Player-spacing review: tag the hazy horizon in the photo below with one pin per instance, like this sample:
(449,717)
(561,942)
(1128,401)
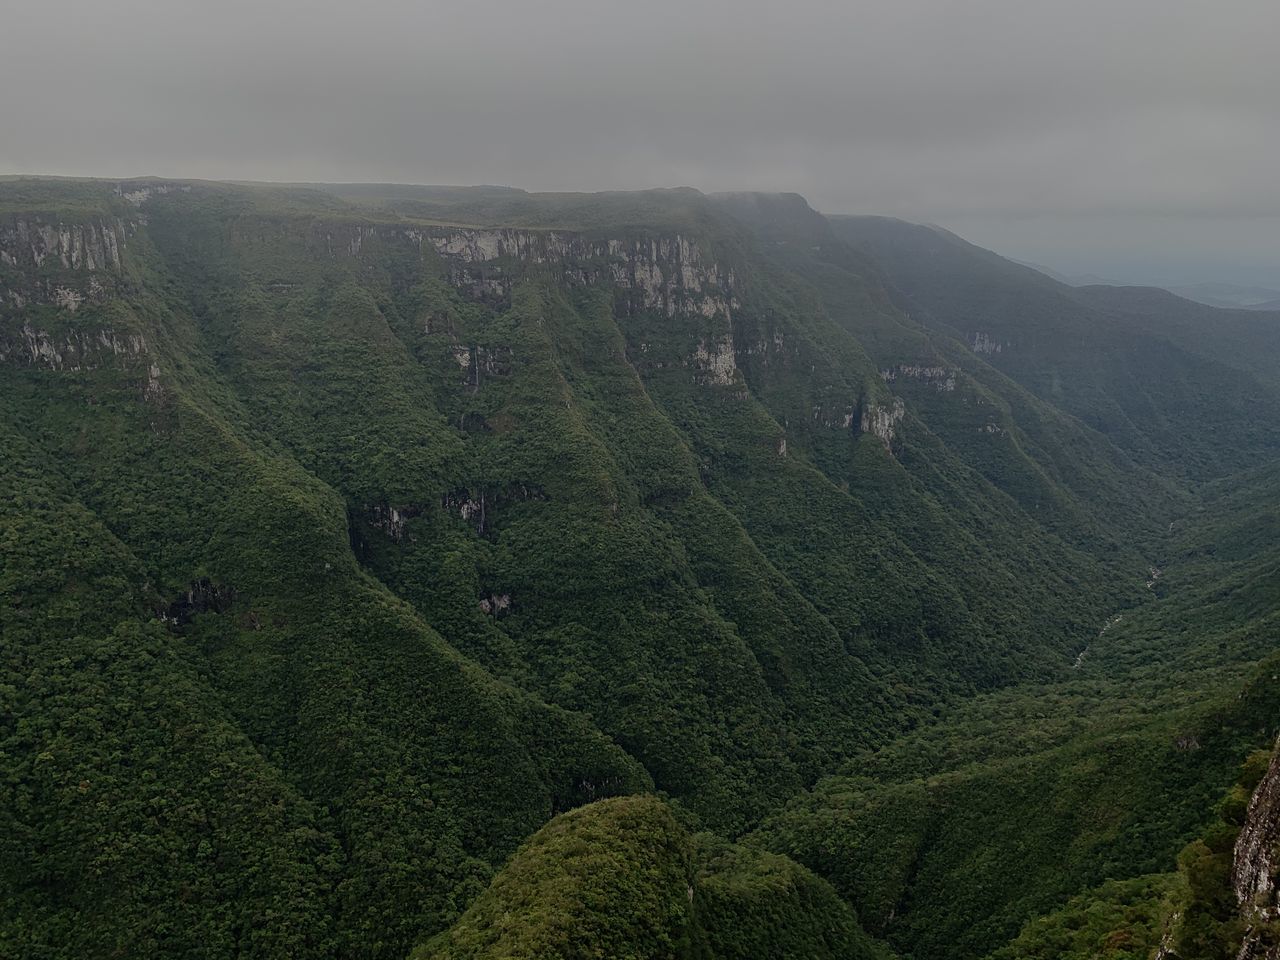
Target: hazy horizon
(1132,140)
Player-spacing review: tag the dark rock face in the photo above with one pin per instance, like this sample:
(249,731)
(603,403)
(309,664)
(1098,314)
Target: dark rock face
(393,521)
(202,596)
(1253,871)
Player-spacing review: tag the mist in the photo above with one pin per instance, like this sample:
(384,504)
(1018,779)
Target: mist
(1133,140)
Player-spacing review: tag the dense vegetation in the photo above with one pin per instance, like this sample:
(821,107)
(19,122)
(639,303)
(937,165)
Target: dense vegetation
(1189,390)
(498,574)
(1190,914)
(622,878)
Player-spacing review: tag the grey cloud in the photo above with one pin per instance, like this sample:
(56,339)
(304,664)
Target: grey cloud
(999,113)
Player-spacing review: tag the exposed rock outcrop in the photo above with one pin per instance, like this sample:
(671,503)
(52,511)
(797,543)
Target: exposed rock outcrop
(393,521)
(30,242)
(714,358)
(985,343)
(48,262)
(774,344)
(74,351)
(140,192)
(470,509)
(481,363)
(474,507)
(496,604)
(1254,867)
(670,272)
(202,596)
(833,416)
(881,419)
(940,378)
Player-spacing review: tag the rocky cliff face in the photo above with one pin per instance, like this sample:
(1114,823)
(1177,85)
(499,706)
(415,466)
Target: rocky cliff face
(92,245)
(58,263)
(69,266)
(73,351)
(985,343)
(1254,867)
(671,273)
(668,273)
(941,378)
(679,276)
(881,419)
(54,274)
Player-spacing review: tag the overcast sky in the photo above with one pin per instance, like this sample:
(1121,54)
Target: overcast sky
(1134,138)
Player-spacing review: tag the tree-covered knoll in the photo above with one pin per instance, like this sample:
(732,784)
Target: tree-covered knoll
(623,878)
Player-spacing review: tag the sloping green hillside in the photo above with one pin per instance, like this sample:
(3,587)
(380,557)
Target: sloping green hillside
(621,878)
(1168,381)
(352,535)
(947,840)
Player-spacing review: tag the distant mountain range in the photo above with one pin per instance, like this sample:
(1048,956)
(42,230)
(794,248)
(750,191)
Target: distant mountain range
(1071,279)
(1229,296)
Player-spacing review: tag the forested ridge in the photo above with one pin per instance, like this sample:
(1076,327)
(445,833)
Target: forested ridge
(446,572)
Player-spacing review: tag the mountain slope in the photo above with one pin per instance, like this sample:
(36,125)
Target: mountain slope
(622,878)
(304,671)
(1165,389)
(355,534)
(1024,798)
